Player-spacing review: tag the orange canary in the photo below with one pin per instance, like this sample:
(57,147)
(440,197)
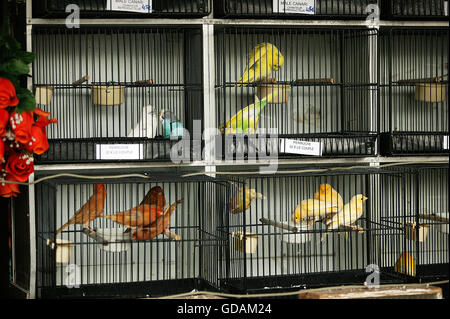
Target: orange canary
(405,265)
(155,196)
(90,210)
(328,194)
(158,227)
(139,216)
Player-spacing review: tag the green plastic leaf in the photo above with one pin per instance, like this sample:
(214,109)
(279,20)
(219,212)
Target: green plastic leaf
(27,101)
(15,67)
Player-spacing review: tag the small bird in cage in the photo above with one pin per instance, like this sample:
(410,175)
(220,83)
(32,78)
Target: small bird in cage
(171,126)
(155,196)
(147,126)
(348,215)
(246,120)
(138,216)
(236,204)
(160,226)
(331,197)
(264,59)
(92,209)
(405,265)
(313,208)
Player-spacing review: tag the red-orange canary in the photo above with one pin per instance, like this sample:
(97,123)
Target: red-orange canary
(90,210)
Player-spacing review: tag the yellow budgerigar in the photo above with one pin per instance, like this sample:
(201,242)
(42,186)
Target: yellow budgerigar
(264,59)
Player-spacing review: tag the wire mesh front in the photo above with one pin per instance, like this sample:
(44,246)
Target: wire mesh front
(414,86)
(125,241)
(415,9)
(420,253)
(293,9)
(308,230)
(133,86)
(298,84)
(112,9)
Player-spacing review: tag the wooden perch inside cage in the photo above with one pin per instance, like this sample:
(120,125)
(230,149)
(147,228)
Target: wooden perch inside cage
(144,82)
(95,236)
(315,81)
(81,81)
(353,227)
(425,80)
(434,218)
(279,225)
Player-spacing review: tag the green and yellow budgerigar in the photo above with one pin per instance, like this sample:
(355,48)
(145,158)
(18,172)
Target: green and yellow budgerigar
(246,120)
(264,59)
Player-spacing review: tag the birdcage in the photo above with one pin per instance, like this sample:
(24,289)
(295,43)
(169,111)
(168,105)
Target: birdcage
(119,93)
(414,9)
(421,252)
(414,89)
(307,92)
(121,9)
(292,231)
(133,237)
(355,9)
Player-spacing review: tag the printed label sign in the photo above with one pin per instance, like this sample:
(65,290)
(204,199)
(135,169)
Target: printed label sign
(294,6)
(141,6)
(445,146)
(301,147)
(119,151)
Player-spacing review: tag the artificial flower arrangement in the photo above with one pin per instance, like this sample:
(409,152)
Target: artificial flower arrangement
(22,124)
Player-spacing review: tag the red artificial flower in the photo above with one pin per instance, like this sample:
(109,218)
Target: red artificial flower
(38,143)
(9,189)
(4,117)
(20,166)
(2,151)
(21,125)
(7,94)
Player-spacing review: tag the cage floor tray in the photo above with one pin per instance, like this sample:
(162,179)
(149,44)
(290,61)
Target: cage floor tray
(412,143)
(332,146)
(86,150)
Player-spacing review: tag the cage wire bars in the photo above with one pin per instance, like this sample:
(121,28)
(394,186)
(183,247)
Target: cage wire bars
(329,9)
(288,235)
(414,85)
(130,244)
(304,84)
(139,86)
(107,9)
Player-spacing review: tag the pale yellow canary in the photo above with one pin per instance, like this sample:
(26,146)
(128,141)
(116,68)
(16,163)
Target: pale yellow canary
(236,204)
(348,215)
(312,208)
(264,59)
(405,265)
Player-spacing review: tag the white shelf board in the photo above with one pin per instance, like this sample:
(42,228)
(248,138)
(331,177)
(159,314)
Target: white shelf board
(238,22)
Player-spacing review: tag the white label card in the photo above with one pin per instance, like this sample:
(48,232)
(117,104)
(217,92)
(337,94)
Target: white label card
(445,146)
(141,6)
(119,152)
(294,6)
(301,147)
